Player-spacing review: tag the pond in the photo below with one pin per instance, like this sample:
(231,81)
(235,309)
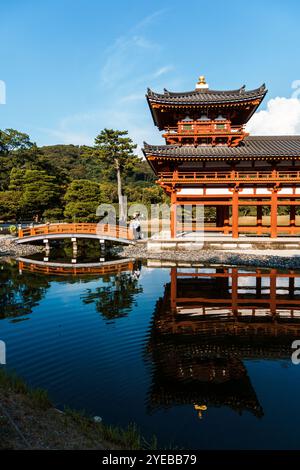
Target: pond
(199,356)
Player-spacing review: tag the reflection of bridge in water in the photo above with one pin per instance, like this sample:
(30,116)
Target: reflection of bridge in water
(46,267)
(209,322)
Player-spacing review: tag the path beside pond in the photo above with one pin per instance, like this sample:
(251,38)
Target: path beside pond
(282,259)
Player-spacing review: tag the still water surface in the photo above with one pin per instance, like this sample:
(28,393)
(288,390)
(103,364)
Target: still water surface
(200,357)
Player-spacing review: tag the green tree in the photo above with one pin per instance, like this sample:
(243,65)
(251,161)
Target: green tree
(113,149)
(35,190)
(9,205)
(82,198)
(16,149)
(10,140)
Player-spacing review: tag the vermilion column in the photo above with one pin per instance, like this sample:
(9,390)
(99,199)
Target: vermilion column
(220,216)
(235,213)
(292,219)
(173,289)
(273,277)
(234,291)
(274,207)
(173,215)
(259,219)
(226,219)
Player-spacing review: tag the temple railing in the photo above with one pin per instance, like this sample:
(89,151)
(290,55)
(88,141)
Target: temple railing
(248,229)
(200,132)
(230,176)
(204,127)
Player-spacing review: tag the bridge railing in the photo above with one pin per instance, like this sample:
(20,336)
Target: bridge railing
(114,231)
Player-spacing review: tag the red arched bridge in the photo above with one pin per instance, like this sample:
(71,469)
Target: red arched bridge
(114,233)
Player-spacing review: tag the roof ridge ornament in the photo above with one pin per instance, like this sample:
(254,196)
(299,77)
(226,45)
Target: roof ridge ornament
(201,84)
(262,87)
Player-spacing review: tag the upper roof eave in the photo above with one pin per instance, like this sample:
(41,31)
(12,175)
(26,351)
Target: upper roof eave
(206,96)
(250,147)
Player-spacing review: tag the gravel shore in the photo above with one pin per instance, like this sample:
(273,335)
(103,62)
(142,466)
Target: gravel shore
(281,259)
(8,247)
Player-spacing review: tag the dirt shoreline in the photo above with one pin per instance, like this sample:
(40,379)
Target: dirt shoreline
(28,420)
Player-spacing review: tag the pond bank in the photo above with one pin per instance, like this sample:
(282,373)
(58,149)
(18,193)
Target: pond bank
(281,259)
(8,247)
(269,258)
(28,420)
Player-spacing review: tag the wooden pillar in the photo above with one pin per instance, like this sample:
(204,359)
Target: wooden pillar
(234,291)
(173,216)
(258,284)
(273,278)
(292,219)
(226,220)
(173,289)
(273,229)
(259,219)
(235,213)
(291,285)
(220,216)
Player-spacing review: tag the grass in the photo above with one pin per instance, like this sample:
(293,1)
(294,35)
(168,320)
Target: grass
(128,438)
(77,428)
(38,397)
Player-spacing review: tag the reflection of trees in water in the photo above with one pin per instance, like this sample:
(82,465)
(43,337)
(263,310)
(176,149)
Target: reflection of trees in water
(87,250)
(19,293)
(116,299)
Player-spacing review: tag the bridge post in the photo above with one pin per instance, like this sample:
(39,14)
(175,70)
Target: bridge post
(47,246)
(74,242)
(102,245)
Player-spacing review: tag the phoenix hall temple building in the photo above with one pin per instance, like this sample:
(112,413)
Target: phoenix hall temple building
(209,159)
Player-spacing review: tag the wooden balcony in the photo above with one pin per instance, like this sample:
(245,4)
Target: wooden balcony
(213,132)
(191,177)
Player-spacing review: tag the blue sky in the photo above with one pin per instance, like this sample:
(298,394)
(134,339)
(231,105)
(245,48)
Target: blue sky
(72,68)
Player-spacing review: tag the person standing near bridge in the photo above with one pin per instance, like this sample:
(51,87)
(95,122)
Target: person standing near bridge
(135,226)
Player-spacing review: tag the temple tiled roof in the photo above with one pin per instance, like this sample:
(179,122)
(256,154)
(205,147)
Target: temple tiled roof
(250,147)
(206,96)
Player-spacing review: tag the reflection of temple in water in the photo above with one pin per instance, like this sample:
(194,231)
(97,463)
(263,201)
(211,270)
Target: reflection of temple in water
(211,320)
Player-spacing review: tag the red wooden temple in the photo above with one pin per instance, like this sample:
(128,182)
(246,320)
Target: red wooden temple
(209,159)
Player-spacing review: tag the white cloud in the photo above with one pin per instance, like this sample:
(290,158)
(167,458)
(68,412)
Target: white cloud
(282,117)
(67,137)
(163,70)
(133,97)
(123,58)
(131,64)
